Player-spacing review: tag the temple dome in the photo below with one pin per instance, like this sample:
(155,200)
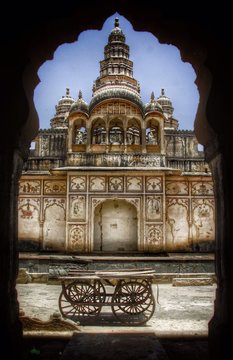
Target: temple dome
(166,104)
(153,105)
(116,33)
(62,110)
(116,92)
(79,105)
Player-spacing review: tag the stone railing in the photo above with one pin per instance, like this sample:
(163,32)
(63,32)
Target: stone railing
(189,165)
(42,164)
(116,160)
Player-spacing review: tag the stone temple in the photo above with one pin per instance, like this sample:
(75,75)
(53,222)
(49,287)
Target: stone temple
(116,175)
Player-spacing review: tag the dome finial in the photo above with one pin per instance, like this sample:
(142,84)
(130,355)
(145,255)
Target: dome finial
(116,24)
(80,95)
(162,92)
(152,97)
(67,91)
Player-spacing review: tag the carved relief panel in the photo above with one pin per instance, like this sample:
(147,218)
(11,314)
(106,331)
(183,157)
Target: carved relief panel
(116,183)
(203,219)
(170,146)
(54,227)
(30,187)
(76,237)
(154,236)
(177,188)
(77,208)
(78,183)
(29,219)
(44,146)
(154,184)
(177,223)
(153,208)
(202,188)
(179,146)
(55,187)
(134,183)
(97,183)
(198,166)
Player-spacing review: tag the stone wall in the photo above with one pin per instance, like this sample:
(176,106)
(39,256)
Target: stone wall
(146,211)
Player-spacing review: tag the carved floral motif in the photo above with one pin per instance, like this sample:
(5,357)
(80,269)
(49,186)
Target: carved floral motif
(134,183)
(77,237)
(177,188)
(54,201)
(55,187)
(203,218)
(97,183)
(116,183)
(29,187)
(29,208)
(135,202)
(154,236)
(177,221)
(153,184)
(153,208)
(78,207)
(202,188)
(77,183)
(97,201)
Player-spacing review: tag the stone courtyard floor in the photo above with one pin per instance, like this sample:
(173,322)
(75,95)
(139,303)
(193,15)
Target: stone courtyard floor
(180,322)
(180,311)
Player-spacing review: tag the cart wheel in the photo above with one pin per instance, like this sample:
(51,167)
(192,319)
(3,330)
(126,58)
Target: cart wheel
(134,302)
(81,300)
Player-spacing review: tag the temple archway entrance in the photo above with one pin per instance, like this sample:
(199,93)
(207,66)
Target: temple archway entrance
(115,226)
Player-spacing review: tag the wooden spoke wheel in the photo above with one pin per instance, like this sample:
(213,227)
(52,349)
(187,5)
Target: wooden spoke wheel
(81,300)
(134,302)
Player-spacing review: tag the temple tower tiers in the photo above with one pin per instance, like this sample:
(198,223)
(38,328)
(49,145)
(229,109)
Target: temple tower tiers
(116,71)
(116,175)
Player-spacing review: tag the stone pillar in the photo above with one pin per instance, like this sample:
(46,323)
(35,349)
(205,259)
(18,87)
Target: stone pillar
(143,139)
(89,139)
(221,325)
(11,164)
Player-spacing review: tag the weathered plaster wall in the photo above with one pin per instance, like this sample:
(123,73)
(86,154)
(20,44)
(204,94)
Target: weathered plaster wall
(148,211)
(115,226)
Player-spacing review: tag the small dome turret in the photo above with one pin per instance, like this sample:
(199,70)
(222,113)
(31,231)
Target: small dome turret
(116,33)
(62,111)
(166,104)
(153,105)
(79,105)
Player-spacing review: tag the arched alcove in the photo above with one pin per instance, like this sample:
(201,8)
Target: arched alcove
(115,226)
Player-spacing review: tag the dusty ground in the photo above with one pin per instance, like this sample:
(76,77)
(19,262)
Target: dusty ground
(180,311)
(180,321)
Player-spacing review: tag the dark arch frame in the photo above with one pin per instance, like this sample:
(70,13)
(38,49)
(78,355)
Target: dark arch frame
(195,33)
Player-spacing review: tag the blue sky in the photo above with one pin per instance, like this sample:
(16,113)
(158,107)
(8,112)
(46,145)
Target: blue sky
(156,66)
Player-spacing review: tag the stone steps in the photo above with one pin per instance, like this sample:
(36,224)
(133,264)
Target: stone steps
(182,279)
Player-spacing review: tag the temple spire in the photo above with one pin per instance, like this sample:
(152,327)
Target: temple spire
(116,24)
(80,95)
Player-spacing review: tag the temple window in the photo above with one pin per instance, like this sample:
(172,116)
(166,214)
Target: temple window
(116,135)
(99,134)
(133,136)
(152,135)
(80,135)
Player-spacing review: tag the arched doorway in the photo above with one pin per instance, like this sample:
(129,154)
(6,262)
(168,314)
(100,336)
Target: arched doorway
(115,226)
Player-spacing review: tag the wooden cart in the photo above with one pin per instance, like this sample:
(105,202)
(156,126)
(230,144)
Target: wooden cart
(131,299)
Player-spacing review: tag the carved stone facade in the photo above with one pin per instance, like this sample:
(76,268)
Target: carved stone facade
(116,175)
